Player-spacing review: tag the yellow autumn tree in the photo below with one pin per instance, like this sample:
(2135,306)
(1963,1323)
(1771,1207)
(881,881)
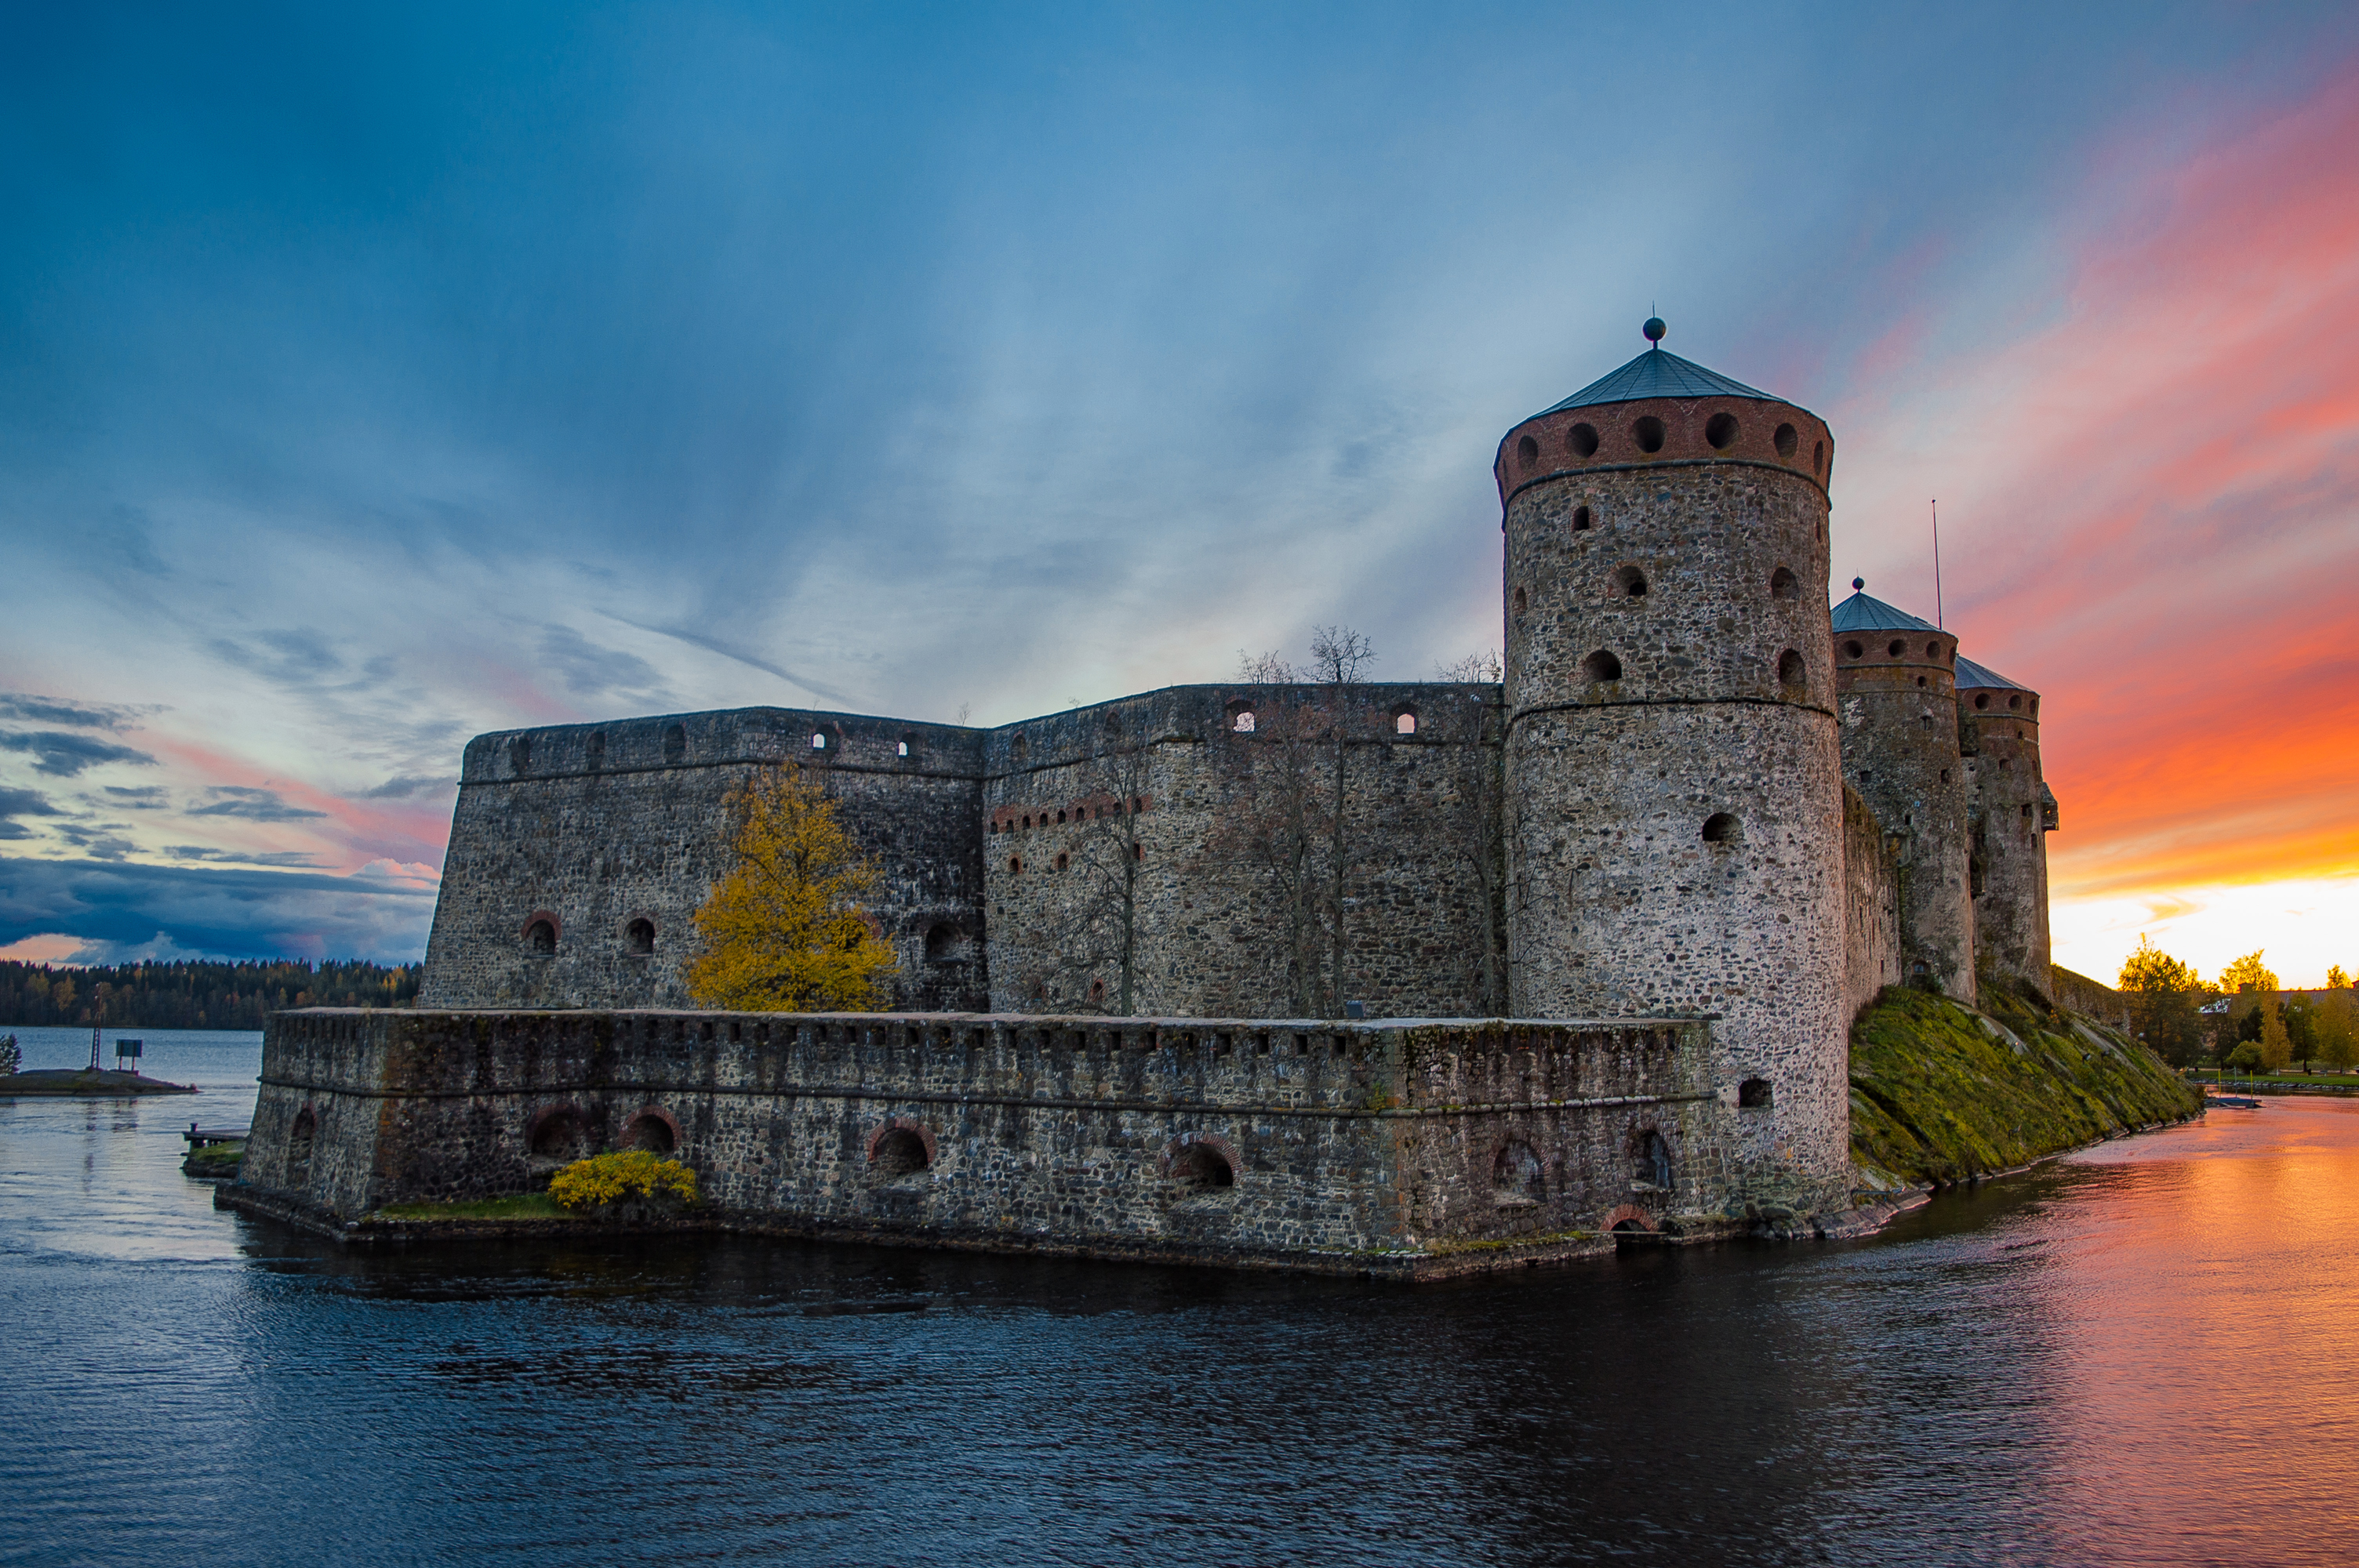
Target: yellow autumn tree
(2276,1045)
(2248,974)
(781,933)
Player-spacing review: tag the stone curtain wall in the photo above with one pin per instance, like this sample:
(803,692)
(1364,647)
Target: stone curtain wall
(592,828)
(1410,1146)
(1214,930)
(1871,900)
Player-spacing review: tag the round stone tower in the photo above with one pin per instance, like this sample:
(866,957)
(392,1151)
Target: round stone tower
(2012,812)
(1896,690)
(1675,810)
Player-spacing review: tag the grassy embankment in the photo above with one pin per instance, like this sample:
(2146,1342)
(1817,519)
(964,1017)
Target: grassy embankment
(520,1205)
(1940,1093)
(215,1162)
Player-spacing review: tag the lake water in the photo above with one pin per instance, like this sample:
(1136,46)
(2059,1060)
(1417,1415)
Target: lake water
(2141,1353)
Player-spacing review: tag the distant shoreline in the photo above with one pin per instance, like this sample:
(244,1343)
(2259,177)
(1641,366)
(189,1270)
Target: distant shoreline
(80,1083)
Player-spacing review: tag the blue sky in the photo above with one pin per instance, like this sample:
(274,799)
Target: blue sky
(370,379)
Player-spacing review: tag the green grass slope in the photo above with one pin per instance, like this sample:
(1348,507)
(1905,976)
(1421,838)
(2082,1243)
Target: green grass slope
(1940,1092)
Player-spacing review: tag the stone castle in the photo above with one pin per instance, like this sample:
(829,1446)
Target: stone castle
(1156,954)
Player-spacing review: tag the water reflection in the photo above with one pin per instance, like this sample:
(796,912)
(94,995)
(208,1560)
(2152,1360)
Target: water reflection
(2129,1356)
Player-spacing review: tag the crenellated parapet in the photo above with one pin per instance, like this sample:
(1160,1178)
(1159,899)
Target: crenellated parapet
(1399,1146)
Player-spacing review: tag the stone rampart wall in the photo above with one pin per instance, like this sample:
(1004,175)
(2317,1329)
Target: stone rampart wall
(594,828)
(999,857)
(1416,1141)
(1871,912)
(1159,816)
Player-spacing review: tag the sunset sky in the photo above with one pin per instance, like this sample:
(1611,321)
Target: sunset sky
(367,382)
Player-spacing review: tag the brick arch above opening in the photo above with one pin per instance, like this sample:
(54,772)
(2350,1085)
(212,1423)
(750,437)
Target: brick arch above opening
(649,1113)
(900,1124)
(1177,1151)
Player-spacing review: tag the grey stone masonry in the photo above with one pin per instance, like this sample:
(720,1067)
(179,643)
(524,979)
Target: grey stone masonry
(1160,813)
(1399,1146)
(1896,692)
(1675,839)
(2012,813)
(589,831)
(1871,905)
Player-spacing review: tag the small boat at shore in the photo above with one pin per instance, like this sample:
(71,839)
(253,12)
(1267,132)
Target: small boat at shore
(2231,1102)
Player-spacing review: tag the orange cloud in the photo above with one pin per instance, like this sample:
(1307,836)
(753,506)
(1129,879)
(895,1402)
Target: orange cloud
(2150,511)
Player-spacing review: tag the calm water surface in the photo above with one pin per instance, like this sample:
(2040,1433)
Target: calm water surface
(2140,1354)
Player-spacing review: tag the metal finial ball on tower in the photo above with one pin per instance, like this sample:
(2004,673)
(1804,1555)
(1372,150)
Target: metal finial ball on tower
(1654,328)
(1858,583)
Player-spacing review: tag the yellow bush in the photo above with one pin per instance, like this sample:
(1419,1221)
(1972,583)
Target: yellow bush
(610,1178)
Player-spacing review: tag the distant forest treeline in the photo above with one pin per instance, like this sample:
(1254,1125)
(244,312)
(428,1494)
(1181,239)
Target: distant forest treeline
(193,995)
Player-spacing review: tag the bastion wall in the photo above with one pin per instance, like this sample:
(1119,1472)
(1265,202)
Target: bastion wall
(1198,821)
(1408,1147)
(1013,862)
(593,829)
(1871,906)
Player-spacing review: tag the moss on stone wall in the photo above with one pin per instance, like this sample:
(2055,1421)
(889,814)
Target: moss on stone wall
(1940,1092)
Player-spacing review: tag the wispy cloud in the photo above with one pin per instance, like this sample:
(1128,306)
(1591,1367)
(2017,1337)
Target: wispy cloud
(63,755)
(405,787)
(80,715)
(589,670)
(289,859)
(737,653)
(252,804)
(15,803)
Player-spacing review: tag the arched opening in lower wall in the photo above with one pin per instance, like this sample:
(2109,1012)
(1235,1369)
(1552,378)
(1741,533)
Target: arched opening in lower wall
(558,1133)
(653,1132)
(1199,1165)
(898,1152)
(300,1140)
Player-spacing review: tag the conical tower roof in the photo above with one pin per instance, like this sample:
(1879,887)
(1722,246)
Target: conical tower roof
(1656,374)
(1970,674)
(1861,614)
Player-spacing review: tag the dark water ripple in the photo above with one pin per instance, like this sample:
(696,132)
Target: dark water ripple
(2134,1356)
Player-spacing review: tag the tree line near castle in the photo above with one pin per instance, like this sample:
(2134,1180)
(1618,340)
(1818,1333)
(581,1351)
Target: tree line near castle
(2244,1021)
(187,994)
